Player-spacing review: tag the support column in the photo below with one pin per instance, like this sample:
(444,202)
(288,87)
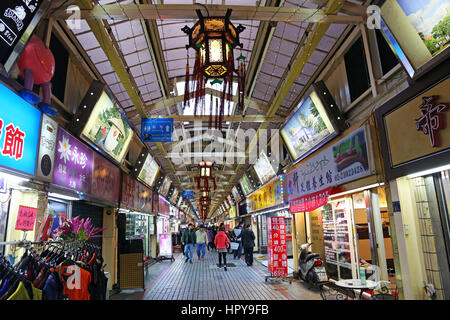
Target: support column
(109,244)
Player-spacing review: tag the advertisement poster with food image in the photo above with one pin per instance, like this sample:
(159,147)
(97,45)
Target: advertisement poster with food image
(165,187)
(107,129)
(421,28)
(308,127)
(149,171)
(344,161)
(264,169)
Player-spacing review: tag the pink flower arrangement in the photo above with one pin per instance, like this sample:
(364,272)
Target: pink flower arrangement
(77,229)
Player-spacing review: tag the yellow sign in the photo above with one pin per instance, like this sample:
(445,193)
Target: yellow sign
(233,212)
(267,196)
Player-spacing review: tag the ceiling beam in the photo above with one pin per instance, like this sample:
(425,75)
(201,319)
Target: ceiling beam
(234,118)
(110,51)
(184,12)
(168,102)
(194,173)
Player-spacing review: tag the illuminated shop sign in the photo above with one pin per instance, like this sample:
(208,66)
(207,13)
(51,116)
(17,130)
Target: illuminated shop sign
(19,132)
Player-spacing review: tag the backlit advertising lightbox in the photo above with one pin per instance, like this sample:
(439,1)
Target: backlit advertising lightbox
(165,187)
(308,128)
(246,185)
(20,124)
(149,171)
(418,32)
(264,169)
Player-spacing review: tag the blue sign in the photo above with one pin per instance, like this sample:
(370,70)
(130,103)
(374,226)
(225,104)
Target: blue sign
(188,195)
(20,124)
(156,130)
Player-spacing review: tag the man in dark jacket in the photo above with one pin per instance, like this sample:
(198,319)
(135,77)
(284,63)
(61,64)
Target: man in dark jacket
(248,242)
(188,239)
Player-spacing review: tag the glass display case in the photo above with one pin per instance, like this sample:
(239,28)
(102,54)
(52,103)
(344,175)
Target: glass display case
(137,227)
(339,249)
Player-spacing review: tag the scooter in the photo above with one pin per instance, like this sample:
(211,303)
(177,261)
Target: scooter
(310,266)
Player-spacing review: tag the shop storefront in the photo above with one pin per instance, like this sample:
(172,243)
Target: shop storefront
(20,125)
(415,146)
(341,208)
(268,201)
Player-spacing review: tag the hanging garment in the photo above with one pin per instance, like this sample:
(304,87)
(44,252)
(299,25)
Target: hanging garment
(26,291)
(75,279)
(53,288)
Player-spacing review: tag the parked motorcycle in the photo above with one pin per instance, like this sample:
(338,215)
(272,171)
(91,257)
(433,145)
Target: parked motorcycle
(310,266)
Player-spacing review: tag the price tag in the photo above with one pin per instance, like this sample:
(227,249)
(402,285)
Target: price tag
(26,218)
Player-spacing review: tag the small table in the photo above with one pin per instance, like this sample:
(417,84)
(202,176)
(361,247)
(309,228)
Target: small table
(356,284)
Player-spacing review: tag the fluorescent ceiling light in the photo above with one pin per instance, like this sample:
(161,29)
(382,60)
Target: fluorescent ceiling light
(430,171)
(62,196)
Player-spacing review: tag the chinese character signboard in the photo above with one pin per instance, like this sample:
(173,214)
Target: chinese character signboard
(156,130)
(19,132)
(270,195)
(128,191)
(342,162)
(47,148)
(188,195)
(277,247)
(105,179)
(310,202)
(18,18)
(73,163)
(26,218)
(432,119)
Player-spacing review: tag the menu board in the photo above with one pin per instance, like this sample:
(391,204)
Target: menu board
(107,129)
(308,128)
(277,247)
(149,171)
(246,185)
(264,169)
(18,18)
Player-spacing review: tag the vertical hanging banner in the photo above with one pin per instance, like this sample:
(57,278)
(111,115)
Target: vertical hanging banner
(276,246)
(73,163)
(128,191)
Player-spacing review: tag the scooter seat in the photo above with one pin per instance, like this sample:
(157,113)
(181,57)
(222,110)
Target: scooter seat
(312,256)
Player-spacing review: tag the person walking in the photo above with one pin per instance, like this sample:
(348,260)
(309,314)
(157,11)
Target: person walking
(201,238)
(210,236)
(237,236)
(221,242)
(248,242)
(188,239)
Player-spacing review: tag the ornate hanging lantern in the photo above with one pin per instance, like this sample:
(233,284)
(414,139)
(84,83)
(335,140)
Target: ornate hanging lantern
(214,39)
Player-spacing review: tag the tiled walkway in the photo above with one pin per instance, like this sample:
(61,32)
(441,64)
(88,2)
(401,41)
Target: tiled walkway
(203,280)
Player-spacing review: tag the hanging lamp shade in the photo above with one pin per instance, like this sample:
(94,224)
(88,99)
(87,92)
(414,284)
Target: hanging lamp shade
(213,38)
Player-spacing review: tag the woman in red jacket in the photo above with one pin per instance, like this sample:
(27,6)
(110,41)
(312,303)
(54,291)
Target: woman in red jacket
(221,242)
